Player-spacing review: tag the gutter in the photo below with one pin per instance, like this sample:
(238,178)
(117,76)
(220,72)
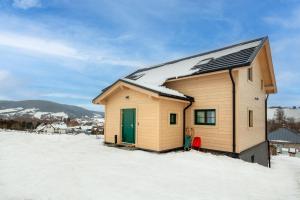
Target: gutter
(234,154)
(191,99)
(266,129)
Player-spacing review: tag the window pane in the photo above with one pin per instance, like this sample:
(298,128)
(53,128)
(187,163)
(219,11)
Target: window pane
(200,117)
(211,117)
(200,114)
(250,74)
(250,118)
(211,120)
(172,118)
(201,120)
(211,114)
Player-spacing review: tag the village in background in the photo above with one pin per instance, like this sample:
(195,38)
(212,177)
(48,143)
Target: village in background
(49,117)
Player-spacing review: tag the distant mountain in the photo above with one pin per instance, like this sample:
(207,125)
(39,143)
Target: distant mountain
(44,109)
(289,112)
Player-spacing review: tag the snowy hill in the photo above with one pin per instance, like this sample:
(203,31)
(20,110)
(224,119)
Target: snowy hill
(289,113)
(40,109)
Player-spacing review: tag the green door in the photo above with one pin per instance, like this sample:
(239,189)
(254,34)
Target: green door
(128,126)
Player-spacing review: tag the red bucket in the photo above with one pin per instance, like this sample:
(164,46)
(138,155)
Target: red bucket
(196,143)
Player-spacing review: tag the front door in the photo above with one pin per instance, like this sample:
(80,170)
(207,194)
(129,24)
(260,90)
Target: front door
(128,126)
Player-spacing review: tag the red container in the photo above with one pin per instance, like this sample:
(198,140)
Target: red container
(196,143)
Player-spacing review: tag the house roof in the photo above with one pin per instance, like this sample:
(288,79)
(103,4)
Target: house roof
(160,90)
(284,135)
(153,78)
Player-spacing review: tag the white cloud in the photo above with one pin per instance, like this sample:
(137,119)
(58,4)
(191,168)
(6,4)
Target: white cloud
(67,95)
(292,21)
(59,48)
(26,4)
(7,82)
(40,45)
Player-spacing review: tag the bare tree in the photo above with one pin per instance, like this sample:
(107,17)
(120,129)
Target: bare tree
(280,116)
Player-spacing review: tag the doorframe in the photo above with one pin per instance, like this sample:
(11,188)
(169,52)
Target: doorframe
(136,124)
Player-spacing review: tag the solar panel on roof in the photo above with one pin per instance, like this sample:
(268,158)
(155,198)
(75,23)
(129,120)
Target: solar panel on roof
(230,60)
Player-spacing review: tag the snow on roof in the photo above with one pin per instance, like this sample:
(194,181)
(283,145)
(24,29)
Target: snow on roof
(60,125)
(40,127)
(161,89)
(154,77)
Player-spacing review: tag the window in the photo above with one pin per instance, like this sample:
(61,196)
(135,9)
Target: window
(252,158)
(250,113)
(205,117)
(261,84)
(250,74)
(202,62)
(173,119)
(135,76)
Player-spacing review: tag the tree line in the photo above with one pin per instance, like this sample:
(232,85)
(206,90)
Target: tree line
(29,124)
(281,121)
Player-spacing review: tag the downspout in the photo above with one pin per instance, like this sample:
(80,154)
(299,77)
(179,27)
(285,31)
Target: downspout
(184,110)
(233,115)
(266,129)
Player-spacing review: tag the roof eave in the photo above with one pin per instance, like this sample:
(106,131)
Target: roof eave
(271,66)
(186,98)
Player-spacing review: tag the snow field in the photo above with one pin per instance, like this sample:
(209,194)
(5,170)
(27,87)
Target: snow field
(80,167)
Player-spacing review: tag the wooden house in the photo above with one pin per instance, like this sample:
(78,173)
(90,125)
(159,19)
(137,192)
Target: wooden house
(221,94)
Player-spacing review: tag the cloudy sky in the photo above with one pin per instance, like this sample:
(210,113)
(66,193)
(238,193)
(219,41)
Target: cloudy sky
(68,50)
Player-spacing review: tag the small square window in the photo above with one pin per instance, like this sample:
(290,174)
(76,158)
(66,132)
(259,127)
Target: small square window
(250,113)
(173,118)
(250,74)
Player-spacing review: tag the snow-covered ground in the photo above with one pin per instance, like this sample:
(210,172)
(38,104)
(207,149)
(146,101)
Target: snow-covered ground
(57,167)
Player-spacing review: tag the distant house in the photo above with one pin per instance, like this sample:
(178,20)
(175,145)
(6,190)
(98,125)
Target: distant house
(60,128)
(220,94)
(286,141)
(45,128)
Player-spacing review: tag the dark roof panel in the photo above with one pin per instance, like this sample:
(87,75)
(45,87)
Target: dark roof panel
(231,60)
(284,134)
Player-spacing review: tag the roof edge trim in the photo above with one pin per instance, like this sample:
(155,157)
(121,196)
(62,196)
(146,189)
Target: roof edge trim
(186,98)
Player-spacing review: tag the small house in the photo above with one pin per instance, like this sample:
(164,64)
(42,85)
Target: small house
(221,94)
(287,141)
(45,128)
(60,128)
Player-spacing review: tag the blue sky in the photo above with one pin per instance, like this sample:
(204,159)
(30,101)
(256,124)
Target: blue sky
(68,50)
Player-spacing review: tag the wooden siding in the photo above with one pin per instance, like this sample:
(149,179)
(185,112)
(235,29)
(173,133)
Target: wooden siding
(147,115)
(250,97)
(210,92)
(170,136)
